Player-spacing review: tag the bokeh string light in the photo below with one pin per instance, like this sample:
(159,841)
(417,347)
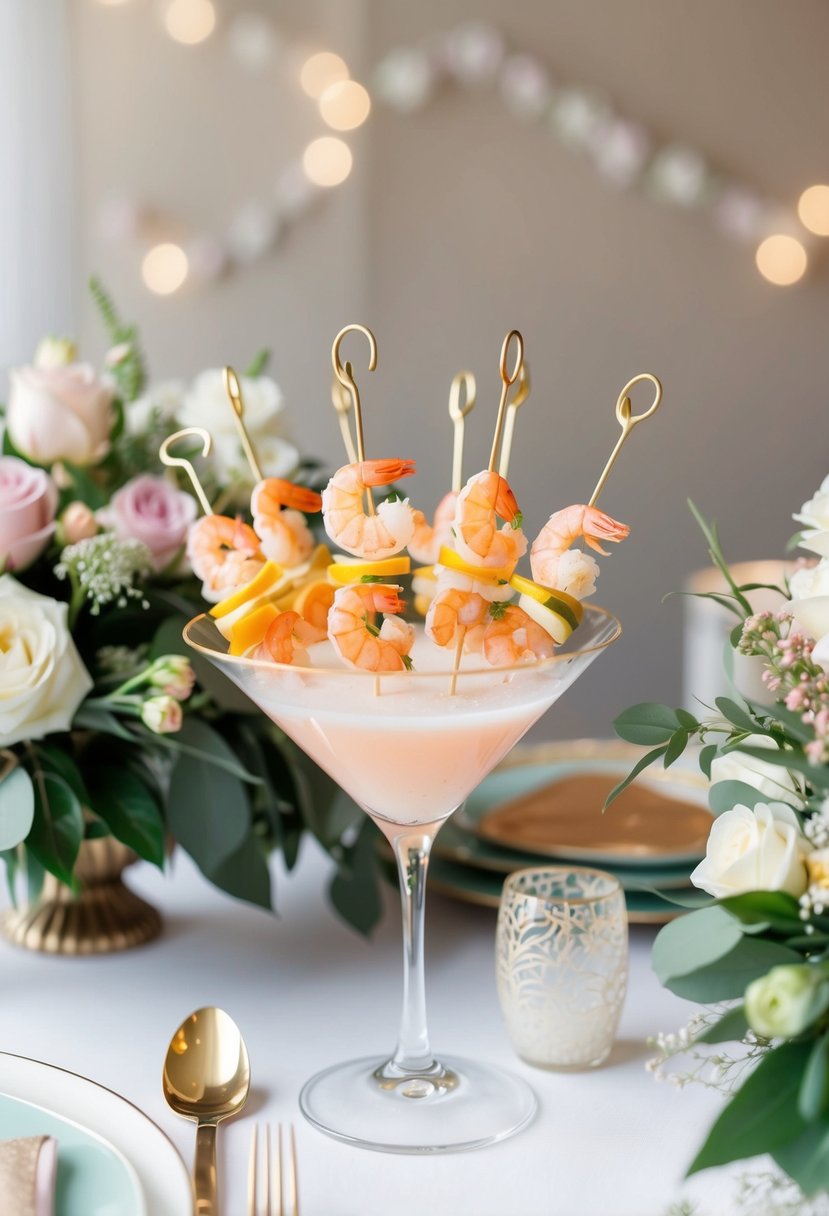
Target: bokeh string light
(164,268)
(624,154)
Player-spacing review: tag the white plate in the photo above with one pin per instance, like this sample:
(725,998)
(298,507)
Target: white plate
(161,1171)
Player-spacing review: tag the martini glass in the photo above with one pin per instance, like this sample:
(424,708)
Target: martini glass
(409,751)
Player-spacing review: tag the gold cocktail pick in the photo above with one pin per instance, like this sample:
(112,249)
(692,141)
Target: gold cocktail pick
(180,462)
(345,375)
(507,380)
(627,421)
(524,387)
(462,397)
(341,400)
(234,395)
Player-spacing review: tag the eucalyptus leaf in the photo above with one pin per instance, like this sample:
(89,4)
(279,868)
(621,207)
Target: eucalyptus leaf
(735,714)
(92,717)
(732,1027)
(706,758)
(725,795)
(57,828)
(355,890)
(17,808)
(805,1158)
(245,875)
(709,531)
(11,861)
(130,811)
(777,909)
(727,978)
(208,811)
(694,941)
(676,746)
(64,766)
(200,742)
(817,775)
(763,1114)
(647,723)
(640,765)
(813,1098)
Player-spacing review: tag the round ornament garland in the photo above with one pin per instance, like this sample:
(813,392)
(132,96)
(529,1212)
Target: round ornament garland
(624,153)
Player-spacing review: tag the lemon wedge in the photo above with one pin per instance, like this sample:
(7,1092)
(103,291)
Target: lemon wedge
(264,583)
(251,629)
(486,574)
(346,570)
(555,611)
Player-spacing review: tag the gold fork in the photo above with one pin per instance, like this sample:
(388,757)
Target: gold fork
(285,1174)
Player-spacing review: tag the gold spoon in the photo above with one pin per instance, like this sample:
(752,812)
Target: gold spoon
(206,1078)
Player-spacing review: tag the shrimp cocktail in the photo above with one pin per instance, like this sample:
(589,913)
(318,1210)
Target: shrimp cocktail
(407,705)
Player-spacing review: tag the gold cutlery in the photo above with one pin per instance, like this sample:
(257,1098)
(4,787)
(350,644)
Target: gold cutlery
(206,1078)
(285,1189)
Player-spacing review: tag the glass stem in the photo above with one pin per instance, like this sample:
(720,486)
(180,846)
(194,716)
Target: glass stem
(413,1053)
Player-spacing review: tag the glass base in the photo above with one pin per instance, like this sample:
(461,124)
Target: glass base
(452,1107)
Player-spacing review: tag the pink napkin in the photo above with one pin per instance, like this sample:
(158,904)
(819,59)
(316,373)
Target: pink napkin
(27,1176)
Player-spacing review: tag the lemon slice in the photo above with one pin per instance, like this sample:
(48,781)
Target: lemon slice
(486,574)
(264,583)
(251,630)
(555,611)
(346,570)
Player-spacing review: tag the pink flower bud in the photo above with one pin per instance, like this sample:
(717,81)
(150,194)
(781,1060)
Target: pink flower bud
(162,715)
(78,522)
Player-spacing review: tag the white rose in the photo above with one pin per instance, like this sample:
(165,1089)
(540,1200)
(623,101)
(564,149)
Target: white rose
(814,515)
(759,850)
(206,404)
(810,606)
(42,678)
(770,779)
(162,403)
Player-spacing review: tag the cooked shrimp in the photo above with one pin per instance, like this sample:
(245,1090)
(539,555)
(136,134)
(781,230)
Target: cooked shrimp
(514,637)
(224,553)
(343,509)
(478,540)
(357,639)
(453,609)
(277,507)
(281,642)
(427,538)
(552,562)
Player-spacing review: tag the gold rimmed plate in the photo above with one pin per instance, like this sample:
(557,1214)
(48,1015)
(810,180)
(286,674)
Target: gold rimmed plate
(547,801)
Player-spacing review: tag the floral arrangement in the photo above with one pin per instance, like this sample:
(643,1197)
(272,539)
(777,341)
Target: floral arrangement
(106,726)
(759,949)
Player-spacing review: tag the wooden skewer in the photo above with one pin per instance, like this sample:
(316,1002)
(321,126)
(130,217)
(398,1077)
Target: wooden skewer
(627,421)
(462,383)
(507,380)
(341,400)
(524,386)
(234,395)
(180,462)
(345,375)
(456,664)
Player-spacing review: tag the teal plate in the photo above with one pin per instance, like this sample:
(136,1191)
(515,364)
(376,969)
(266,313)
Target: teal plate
(484,887)
(93,1179)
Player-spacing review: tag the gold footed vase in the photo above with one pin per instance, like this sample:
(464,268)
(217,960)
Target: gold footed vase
(105,916)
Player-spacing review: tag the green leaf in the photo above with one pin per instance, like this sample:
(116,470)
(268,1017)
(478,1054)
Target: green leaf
(815,775)
(733,713)
(57,828)
(791,721)
(130,811)
(202,743)
(813,1097)
(64,766)
(85,488)
(725,795)
(684,946)
(687,720)
(208,811)
(727,977)
(647,723)
(731,1028)
(777,909)
(90,717)
(257,364)
(706,758)
(11,860)
(17,808)
(762,1115)
(709,531)
(245,875)
(355,891)
(639,766)
(805,1158)
(677,745)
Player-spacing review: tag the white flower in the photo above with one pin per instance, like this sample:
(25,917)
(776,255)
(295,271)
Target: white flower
(160,406)
(788,1000)
(814,515)
(55,352)
(206,404)
(759,850)
(770,779)
(810,606)
(42,678)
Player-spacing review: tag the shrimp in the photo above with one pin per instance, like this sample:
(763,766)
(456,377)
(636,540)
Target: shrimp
(357,640)
(453,609)
(478,540)
(553,562)
(224,553)
(282,642)
(371,536)
(514,637)
(427,538)
(277,507)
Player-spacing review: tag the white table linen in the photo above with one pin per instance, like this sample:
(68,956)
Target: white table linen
(306,992)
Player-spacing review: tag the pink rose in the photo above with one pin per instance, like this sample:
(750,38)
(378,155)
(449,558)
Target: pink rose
(59,413)
(28,499)
(149,509)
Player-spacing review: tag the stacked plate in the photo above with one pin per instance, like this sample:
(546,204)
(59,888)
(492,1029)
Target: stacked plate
(544,806)
(111,1157)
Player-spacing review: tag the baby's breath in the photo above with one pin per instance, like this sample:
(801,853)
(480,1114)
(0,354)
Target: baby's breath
(121,660)
(105,570)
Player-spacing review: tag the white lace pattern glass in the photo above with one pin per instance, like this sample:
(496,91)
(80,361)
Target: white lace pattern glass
(562,962)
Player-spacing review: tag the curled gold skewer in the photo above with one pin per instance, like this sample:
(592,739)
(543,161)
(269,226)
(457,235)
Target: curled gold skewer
(234,394)
(627,421)
(345,375)
(507,380)
(524,389)
(462,398)
(341,400)
(181,462)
